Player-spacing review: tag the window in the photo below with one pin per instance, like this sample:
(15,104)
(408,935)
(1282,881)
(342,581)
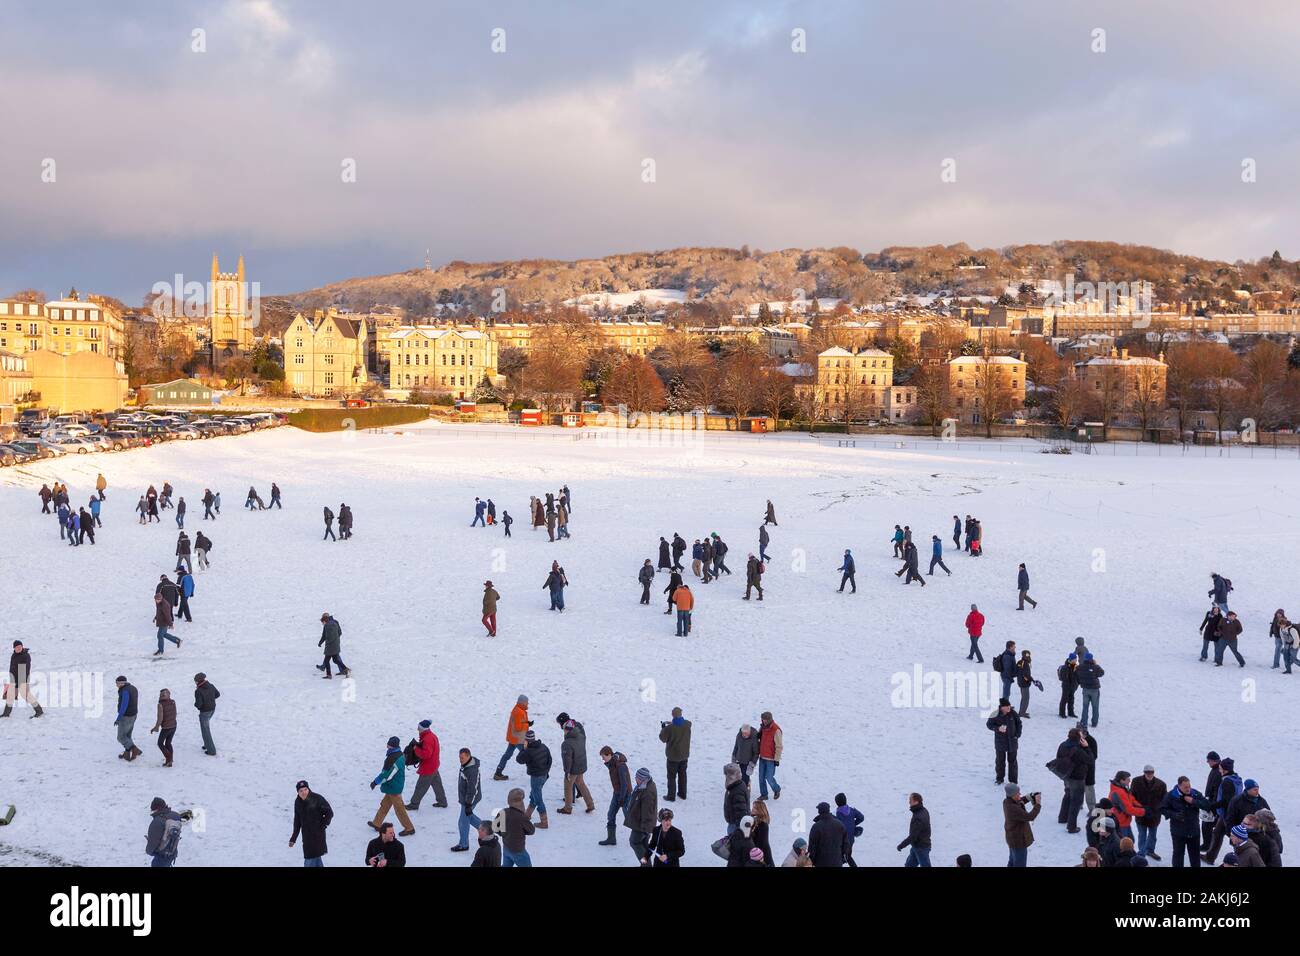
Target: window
(329,378)
(299,359)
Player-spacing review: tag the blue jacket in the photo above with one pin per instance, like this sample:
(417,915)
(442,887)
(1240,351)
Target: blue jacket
(1090,675)
(94,507)
(480,508)
(937,548)
(1229,787)
(899,535)
(187,585)
(848,563)
(1022,580)
(1184,818)
(697,552)
(851,818)
(63,513)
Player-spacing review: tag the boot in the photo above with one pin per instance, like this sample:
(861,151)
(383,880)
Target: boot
(499,776)
(8,710)
(609,840)
(565,810)
(541,822)
(135,752)
(38,711)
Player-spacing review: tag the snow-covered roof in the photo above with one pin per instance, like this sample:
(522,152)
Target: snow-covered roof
(991,360)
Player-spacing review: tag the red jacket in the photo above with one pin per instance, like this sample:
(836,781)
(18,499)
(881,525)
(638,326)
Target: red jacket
(975,623)
(770,741)
(1126,805)
(427,751)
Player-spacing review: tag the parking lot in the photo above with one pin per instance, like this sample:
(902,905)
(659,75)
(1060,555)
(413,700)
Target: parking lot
(35,437)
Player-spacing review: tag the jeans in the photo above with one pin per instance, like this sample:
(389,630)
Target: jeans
(510,752)
(509,859)
(162,861)
(676,779)
(124,727)
(1289,657)
(767,775)
(535,785)
(466,820)
(1277,652)
(1071,804)
(939,561)
(478,520)
(975,654)
(1186,844)
(1018,857)
(329,533)
(205,717)
(847,578)
(683,623)
(918,857)
(313,861)
(1146,839)
(165,736)
(163,635)
(1221,646)
(557,600)
(1205,648)
(1091,698)
(180,519)
(615,805)
(1006,688)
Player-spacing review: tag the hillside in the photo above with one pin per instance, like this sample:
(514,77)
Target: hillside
(727,278)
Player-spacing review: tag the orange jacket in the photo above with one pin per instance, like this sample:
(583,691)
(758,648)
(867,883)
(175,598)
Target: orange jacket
(1126,805)
(517,725)
(683,598)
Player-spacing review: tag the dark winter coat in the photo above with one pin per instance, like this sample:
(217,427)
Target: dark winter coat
(676,735)
(738,847)
(1230,630)
(518,829)
(1090,675)
(1024,673)
(1022,580)
(1007,665)
(536,758)
(573,750)
(20,666)
(393,852)
(1081,760)
(331,637)
(183,545)
(205,697)
(127,700)
(754,572)
(1210,625)
(468,793)
(1241,806)
(1184,818)
(310,818)
(669,843)
(646,575)
(643,810)
(745,750)
(1068,675)
(488,855)
(665,559)
(1016,822)
(1151,794)
(674,582)
(827,841)
(735,802)
(1010,740)
(620,778)
(918,831)
(1220,589)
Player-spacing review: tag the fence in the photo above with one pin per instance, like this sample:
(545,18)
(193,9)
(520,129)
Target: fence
(1109,448)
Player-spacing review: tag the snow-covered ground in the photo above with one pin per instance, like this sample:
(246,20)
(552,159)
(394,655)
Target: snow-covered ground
(1119,550)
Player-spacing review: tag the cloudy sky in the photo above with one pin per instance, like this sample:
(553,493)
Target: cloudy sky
(163,154)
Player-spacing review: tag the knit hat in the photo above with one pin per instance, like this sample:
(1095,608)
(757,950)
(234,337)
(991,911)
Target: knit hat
(523,698)
(1250,785)
(561,717)
(1240,832)
(1072,657)
(426,724)
(300,784)
(1109,823)
(394,742)
(1227,764)
(756,855)
(823,807)
(1011,789)
(119,679)
(18,643)
(1212,755)
(642,775)
(1004,702)
(1088,656)
(530,735)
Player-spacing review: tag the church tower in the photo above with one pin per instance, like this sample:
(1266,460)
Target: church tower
(229,321)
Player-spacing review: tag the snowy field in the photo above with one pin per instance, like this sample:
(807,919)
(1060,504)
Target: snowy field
(1119,550)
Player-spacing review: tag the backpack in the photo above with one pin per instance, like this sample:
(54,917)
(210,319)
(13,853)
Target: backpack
(171,840)
(412,759)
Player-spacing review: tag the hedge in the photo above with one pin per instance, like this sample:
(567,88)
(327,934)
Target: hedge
(376,416)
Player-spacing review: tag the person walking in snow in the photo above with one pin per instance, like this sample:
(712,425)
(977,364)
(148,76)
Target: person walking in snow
(468,794)
(205,702)
(1229,631)
(1219,588)
(956,532)
(391,780)
(17,679)
(516,828)
(480,507)
(506,522)
(490,598)
(974,629)
(620,781)
(642,815)
(763,540)
(1209,630)
(208,500)
(46,496)
(675,735)
(897,540)
(848,568)
(918,831)
(771,742)
(185,588)
(679,548)
(100,485)
(183,552)
(427,773)
(536,758)
(345,522)
(491,511)
(936,555)
(753,576)
(646,576)
(1006,727)
(1090,674)
(331,640)
(674,582)
(665,558)
(516,727)
(85,526)
(573,760)
(562,522)
(165,725)
(697,556)
(202,545)
(312,815)
(555,582)
(1005,665)
(719,556)
(770,516)
(163,838)
(95,506)
(910,565)
(127,707)
(550,524)
(180,513)
(1025,680)
(329,525)
(275,498)
(141,508)
(163,619)
(1022,582)
(706,559)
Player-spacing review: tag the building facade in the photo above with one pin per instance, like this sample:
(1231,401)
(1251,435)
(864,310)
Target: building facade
(1123,387)
(453,360)
(984,388)
(855,385)
(230,319)
(183,391)
(326,354)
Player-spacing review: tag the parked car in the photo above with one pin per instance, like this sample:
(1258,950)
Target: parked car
(99,440)
(8,456)
(74,444)
(21,455)
(40,448)
(188,432)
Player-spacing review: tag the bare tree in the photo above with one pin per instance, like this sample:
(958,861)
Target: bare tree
(636,385)
(740,381)
(933,396)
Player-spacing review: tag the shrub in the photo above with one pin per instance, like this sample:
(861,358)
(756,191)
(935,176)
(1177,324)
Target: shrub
(332,419)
